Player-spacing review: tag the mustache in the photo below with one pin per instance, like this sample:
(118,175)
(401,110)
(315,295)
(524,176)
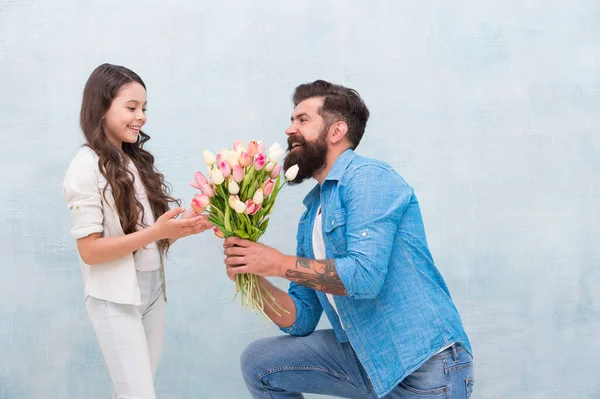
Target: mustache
(295,140)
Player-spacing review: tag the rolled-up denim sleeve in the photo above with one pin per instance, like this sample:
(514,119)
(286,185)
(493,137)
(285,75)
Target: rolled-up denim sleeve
(83,196)
(374,200)
(308,310)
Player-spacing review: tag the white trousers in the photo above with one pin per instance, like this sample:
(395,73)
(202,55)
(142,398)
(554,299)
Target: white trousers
(131,337)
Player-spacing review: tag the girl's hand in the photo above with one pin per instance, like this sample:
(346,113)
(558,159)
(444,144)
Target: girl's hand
(200,227)
(167,227)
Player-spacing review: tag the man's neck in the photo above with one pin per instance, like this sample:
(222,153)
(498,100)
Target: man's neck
(332,156)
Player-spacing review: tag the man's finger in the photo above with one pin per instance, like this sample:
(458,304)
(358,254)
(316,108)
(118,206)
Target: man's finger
(235,251)
(235,261)
(237,241)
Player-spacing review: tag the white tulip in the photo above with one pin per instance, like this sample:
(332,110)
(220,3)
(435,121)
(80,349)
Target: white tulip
(239,206)
(258,197)
(231,157)
(275,152)
(208,157)
(269,167)
(233,187)
(292,172)
(216,176)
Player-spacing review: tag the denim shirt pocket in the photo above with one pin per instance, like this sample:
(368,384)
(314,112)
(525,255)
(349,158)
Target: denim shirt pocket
(334,229)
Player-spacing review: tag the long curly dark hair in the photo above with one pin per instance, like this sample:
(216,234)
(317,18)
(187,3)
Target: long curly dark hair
(101,88)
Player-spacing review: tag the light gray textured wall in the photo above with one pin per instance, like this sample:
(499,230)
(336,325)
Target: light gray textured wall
(488,108)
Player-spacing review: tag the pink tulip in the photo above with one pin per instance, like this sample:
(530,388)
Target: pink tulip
(207,190)
(224,168)
(251,207)
(245,159)
(219,158)
(275,172)
(259,161)
(199,203)
(237,144)
(218,232)
(253,148)
(200,179)
(261,147)
(268,187)
(238,173)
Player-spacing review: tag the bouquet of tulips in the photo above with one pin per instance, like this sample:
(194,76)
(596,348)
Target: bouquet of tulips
(239,195)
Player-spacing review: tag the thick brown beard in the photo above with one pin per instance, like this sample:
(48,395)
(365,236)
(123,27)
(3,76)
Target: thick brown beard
(310,158)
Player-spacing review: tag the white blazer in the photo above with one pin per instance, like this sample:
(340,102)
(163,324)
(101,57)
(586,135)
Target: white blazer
(115,280)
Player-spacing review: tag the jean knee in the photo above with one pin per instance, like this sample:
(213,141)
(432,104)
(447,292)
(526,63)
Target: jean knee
(254,357)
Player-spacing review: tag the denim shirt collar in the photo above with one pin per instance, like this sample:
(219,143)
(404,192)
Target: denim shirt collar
(335,174)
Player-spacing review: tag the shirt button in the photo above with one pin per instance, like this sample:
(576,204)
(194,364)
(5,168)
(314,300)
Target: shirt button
(332,223)
(364,234)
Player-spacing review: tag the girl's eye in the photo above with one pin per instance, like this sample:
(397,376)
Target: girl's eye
(144,109)
(131,108)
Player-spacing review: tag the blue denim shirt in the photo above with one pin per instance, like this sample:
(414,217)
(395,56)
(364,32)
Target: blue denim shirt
(398,311)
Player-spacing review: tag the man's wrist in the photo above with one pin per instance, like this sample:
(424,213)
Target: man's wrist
(283,265)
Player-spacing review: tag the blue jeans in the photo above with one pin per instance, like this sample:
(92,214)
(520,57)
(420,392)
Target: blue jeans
(284,367)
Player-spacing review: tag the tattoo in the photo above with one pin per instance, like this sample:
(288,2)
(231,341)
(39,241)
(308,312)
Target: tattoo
(303,262)
(321,276)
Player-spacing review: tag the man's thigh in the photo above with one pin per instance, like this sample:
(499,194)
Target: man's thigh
(317,363)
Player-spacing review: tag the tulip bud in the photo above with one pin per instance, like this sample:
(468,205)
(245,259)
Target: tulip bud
(269,166)
(239,206)
(275,152)
(209,158)
(233,187)
(237,144)
(268,187)
(291,173)
(261,147)
(259,161)
(216,176)
(199,203)
(225,168)
(252,148)
(232,200)
(231,157)
(275,172)
(218,232)
(258,197)
(199,180)
(208,190)
(245,159)
(238,173)
(251,207)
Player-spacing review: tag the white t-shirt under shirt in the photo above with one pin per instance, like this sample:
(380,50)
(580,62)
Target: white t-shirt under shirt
(319,247)
(146,258)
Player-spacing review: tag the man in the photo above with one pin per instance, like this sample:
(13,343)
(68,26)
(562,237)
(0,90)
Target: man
(362,257)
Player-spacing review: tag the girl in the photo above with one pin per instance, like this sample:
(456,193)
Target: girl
(120,213)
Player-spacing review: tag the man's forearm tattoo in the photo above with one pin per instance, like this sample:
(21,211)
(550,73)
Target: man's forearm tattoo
(319,275)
